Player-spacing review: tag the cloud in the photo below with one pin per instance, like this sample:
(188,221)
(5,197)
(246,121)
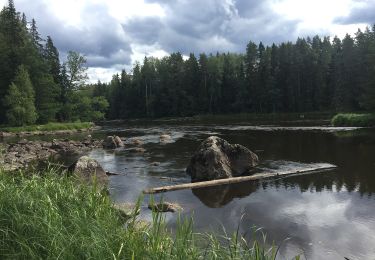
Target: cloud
(100,37)
(363,13)
(116,33)
(212,25)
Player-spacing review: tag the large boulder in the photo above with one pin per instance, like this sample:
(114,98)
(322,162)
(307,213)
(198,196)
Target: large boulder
(218,159)
(113,142)
(88,169)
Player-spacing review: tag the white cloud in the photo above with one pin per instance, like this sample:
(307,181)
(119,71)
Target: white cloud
(114,34)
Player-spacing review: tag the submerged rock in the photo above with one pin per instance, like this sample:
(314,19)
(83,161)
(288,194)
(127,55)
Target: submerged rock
(165,207)
(88,169)
(218,159)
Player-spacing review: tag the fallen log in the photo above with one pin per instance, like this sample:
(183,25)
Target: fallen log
(258,176)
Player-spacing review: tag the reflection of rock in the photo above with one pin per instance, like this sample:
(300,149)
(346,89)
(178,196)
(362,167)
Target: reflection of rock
(218,196)
(88,169)
(165,207)
(218,159)
(112,142)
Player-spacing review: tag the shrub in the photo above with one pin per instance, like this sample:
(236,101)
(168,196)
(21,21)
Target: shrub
(355,120)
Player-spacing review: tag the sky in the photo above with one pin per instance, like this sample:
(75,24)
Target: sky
(114,34)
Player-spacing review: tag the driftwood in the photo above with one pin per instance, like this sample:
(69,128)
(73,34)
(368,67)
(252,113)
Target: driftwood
(254,177)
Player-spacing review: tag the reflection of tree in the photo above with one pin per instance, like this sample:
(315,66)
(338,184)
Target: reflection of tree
(215,197)
(354,156)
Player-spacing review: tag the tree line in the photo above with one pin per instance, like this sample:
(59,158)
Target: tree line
(312,74)
(35,87)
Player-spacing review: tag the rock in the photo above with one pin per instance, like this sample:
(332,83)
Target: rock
(218,159)
(137,150)
(23,153)
(112,142)
(155,163)
(5,134)
(118,141)
(23,141)
(136,141)
(165,137)
(88,169)
(109,142)
(165,207)
(127,210)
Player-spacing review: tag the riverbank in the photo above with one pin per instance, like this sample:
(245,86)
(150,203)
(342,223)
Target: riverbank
(47,129)
(25,153)
(53,217)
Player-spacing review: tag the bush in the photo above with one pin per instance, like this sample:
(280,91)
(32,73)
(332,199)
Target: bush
(354,120)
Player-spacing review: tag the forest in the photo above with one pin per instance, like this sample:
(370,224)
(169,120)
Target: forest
(308,75)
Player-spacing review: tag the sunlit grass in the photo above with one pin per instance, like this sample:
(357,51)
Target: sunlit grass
(53,217)
(49,127)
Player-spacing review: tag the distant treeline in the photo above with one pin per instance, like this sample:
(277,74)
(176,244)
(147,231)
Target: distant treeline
(309,75)
(34,85)
(317,74)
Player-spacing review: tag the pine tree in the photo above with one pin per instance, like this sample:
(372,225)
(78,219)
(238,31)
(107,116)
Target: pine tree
(51,54)
(20,100)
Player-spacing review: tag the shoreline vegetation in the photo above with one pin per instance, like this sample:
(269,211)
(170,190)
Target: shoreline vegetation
(48,215)
(50,127)
(352,119)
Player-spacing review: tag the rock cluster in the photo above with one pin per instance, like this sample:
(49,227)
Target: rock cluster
(23,153)
(218,159)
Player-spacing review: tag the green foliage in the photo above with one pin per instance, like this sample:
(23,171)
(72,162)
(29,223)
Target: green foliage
(76,70)
(50,216)
(20,100)
(358,120)
(54,86)
(49,127)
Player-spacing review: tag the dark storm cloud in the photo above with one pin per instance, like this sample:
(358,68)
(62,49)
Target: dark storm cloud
(363,14)
(212,25)
(187,26)
(144,30)
(100,38)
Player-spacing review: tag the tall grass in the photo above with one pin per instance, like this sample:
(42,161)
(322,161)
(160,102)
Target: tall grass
(49,127)
(52,217)
(356,120)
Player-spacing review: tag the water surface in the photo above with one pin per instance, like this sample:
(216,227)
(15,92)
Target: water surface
(320,216)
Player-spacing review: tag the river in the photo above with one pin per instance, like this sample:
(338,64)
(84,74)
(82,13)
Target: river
(329,215)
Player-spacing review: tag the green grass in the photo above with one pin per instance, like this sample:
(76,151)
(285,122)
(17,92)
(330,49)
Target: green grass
(48,127)
(356,120)
(52,217)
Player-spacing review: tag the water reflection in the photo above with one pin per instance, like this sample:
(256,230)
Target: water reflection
(326,216)
(216,197)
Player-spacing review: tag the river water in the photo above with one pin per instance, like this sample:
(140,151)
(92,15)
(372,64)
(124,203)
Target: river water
(329,215)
